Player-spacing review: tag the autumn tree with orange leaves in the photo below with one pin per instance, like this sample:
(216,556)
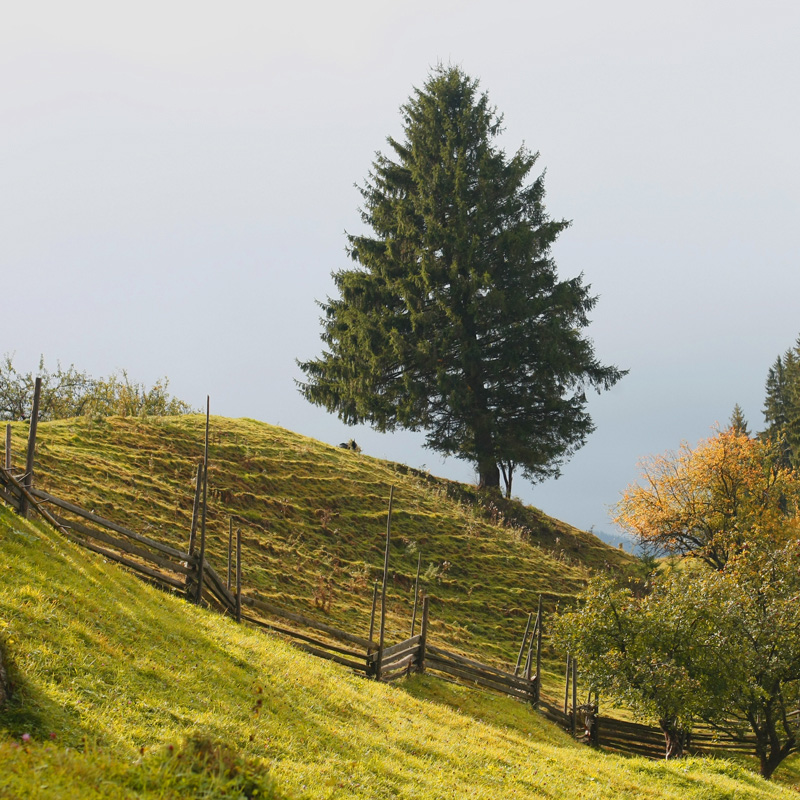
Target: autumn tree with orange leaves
(713,500)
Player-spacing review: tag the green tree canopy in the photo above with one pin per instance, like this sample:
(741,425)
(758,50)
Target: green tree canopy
(72,393)
(718,645)
(454,321)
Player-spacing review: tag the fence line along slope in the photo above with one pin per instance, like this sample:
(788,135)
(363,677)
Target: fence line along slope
(313,524)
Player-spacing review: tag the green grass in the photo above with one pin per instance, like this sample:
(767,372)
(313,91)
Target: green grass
(109,673)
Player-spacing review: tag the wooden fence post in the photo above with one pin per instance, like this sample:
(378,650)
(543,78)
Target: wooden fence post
(423,636)
(574,697)
(383,589)
(27,478)
(416,594)
(230,551)
(8,446)
(539,623)
(566,683)
(198,488)
(200,565)
(238,574)
(374,605)
(522,646)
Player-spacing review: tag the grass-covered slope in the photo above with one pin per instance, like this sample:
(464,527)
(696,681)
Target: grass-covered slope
(316,516)
(110,674)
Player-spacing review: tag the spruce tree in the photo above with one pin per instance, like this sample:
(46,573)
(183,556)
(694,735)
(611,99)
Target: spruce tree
(782,404)
(738,423)
(454,320)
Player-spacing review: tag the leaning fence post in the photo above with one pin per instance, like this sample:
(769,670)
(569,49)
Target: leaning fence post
(198,488)
(27,478)
(423,636)
(522,646)
(202,556)
(8,446)
(383,589)
(238,574)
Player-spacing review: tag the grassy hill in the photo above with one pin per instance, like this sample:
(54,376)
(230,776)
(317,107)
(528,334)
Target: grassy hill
(316,520)
(121,690)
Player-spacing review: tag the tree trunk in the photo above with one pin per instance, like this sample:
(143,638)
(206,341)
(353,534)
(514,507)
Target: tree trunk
(771,753)
(489,475)
(674,739)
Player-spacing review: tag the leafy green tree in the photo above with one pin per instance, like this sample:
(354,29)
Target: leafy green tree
(721,645)
(454,321)
(71,393)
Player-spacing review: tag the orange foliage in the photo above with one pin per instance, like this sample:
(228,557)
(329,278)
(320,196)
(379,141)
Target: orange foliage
(714,499)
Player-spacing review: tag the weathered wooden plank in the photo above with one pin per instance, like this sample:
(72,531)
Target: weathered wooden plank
(346,662)
(107,523)
(126,547)
(433,663)
(9,498)
(469,662)
(506,678)
(269,608)
(224,595)
(303,637)
(151,573)
(406,656)
(399,664)
(400,646)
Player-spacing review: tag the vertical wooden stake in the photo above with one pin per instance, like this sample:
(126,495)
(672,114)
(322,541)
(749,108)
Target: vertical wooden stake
(574,696)
(416,594)
(8,446)
(201,565)
(230,551)
(374,605)
(383,588)
(566,684)
(238,574)
(423,636)
(198,488)
(539,623)
(522,646)
(529,657)
(27,478)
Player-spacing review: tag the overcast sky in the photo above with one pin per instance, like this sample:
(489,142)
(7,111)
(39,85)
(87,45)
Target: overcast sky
(176,180)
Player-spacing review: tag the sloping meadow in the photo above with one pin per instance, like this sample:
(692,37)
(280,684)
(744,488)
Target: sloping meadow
(121,690)
(313,521)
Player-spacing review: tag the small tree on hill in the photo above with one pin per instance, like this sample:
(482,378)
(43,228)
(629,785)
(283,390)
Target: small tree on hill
(454,321)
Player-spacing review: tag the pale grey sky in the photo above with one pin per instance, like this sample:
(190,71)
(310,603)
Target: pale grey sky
(177,177)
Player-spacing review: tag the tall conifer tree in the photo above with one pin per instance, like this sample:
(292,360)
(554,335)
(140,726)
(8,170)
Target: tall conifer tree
(454,321)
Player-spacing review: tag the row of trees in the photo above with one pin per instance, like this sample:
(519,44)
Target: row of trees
(716,637)
(71,393)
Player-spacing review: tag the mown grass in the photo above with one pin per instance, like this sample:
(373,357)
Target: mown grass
(110,673)
(316,521)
